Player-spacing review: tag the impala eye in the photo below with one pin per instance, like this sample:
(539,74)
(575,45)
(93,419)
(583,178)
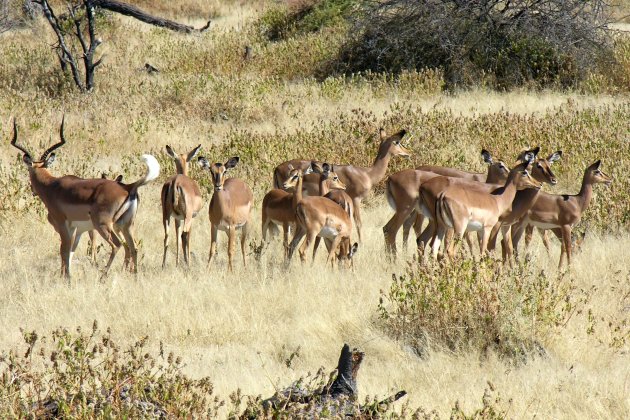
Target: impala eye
(539,165)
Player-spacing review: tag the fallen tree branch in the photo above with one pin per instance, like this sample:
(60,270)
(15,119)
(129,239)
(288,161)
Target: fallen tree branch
(134,12)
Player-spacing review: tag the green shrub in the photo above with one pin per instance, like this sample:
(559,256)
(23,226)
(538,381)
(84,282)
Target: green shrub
(477,305)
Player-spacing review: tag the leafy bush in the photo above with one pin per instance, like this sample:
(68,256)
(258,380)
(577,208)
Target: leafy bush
(504,44)
(470,305)
(304,16)
(87,375)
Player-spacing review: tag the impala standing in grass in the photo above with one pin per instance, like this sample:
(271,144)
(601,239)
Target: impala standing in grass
(230,207)
(76,205)
(181,199)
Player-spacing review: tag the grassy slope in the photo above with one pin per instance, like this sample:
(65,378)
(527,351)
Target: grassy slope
(240,328)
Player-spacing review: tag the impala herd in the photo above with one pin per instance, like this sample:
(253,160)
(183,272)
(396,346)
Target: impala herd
(319,200)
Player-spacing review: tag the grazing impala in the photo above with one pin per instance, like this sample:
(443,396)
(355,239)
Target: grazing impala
(402,193)
(77,205)
(461,208)
(181,199)
(230,207)
(559,213)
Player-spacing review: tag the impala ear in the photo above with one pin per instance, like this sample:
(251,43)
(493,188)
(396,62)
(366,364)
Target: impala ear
(353,249)
(203,162)
(103,175)
(308,170)
(382,133)
(596,165)
(529,156)
(290,167)
(50,160)
(487,157)
(232,162)
(119,179)
(192,153)
(555,156)
(326,168)
(171,152)
(317,167)
(27,159)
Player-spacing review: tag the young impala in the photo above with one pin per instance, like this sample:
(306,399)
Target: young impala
(77,205)
(181,199)
(559,213)
(230,207)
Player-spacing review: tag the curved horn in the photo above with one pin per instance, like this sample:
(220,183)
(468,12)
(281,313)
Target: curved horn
(14,141)
(58,145)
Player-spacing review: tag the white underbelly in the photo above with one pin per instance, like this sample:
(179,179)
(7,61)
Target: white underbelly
(80,225)
(328,232)
(225,227)
(474,225)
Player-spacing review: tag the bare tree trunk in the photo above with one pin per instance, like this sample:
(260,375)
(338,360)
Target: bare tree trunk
(133,11)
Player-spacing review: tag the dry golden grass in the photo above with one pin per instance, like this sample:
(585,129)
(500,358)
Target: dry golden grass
(240,328)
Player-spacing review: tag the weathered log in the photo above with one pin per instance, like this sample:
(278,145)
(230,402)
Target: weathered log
(337,398)
(135,12)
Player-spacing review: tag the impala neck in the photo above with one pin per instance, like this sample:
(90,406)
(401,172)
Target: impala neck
(297,195)
(182,168)
(377,172)
(586,192)
(323,186)
(509,191)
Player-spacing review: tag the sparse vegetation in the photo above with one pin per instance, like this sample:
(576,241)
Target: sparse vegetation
(441,333)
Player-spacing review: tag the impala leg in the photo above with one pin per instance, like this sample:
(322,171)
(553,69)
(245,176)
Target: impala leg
(437,240)
(131,247)
(426,237)
(167,223)
(186,238)
(566,241)
(92,236)
(297,237)
(485,237)
(310,238)
(244,232)
(409,222)
(506,245)
(178,234)
(529,234)
(545,239)
(451,242)
(64,252)
(516,233)
(114,242)
(213,242)
(357,215)
(285,239)
(231,245)
(333,248)
(315,246)
(390,230)
(470,242)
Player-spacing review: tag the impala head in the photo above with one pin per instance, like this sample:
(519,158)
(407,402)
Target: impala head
(47,158)
(523,178)
(392,145)
(596,175)
(182,160)
(295,175)
(334,183)
(497,169)
(541,168)
(218,170)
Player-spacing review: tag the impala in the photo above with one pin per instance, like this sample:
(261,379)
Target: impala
(359,180)
(461,208)
(77,205)
(524,199)
(181,199)
(319,216)
(559,213)
(402,192)
(230,207)
(279,206)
